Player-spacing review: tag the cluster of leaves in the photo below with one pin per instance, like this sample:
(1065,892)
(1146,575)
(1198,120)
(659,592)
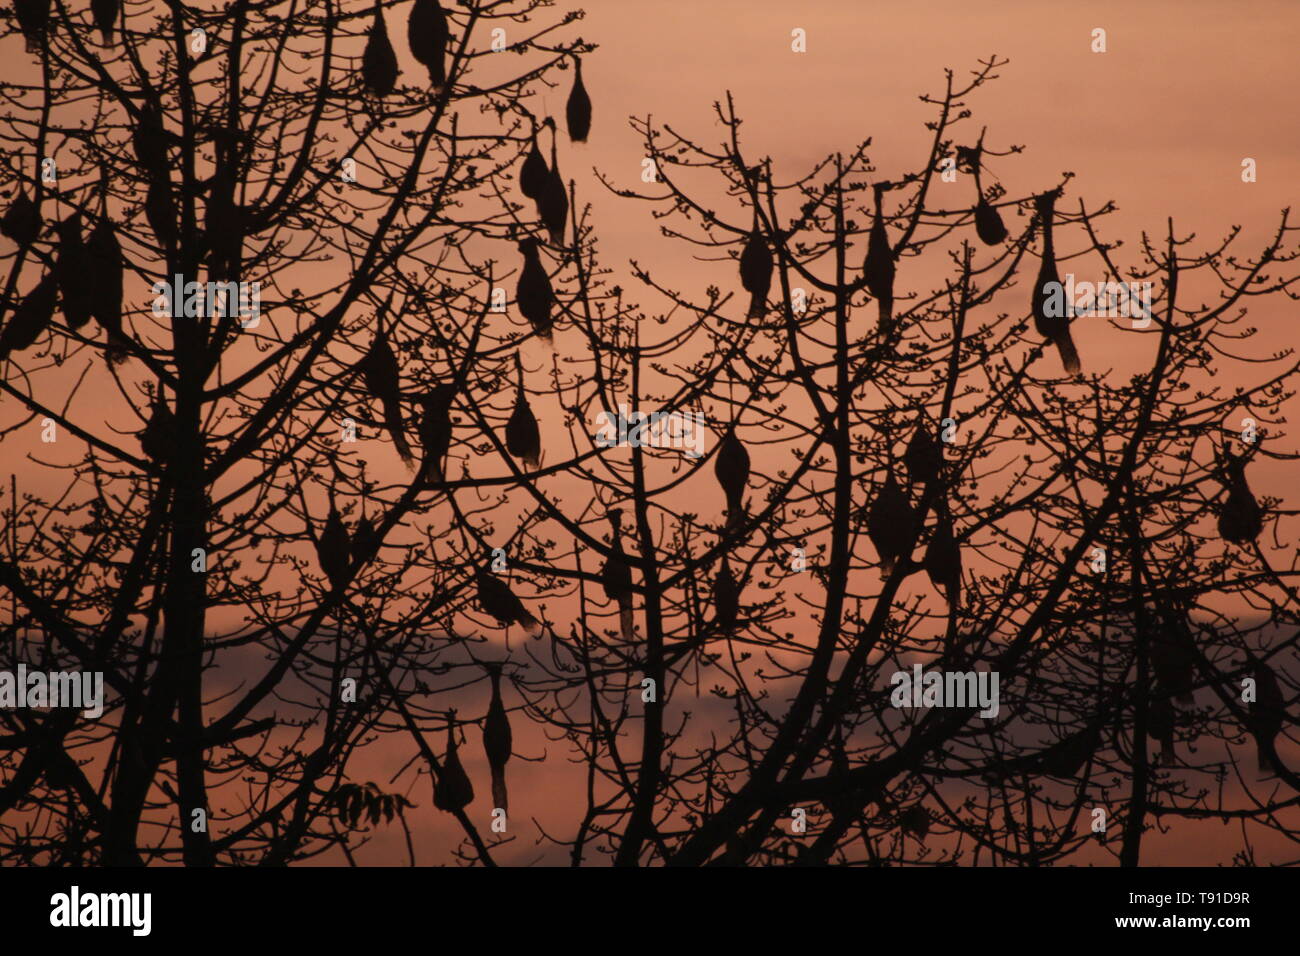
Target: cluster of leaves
(353,800)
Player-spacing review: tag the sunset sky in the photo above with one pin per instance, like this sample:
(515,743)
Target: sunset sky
(1160,124)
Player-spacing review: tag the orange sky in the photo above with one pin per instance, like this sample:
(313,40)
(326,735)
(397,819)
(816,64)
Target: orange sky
(1160,124)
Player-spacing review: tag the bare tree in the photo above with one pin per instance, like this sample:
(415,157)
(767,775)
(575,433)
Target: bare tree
(908,456)
(269,148)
